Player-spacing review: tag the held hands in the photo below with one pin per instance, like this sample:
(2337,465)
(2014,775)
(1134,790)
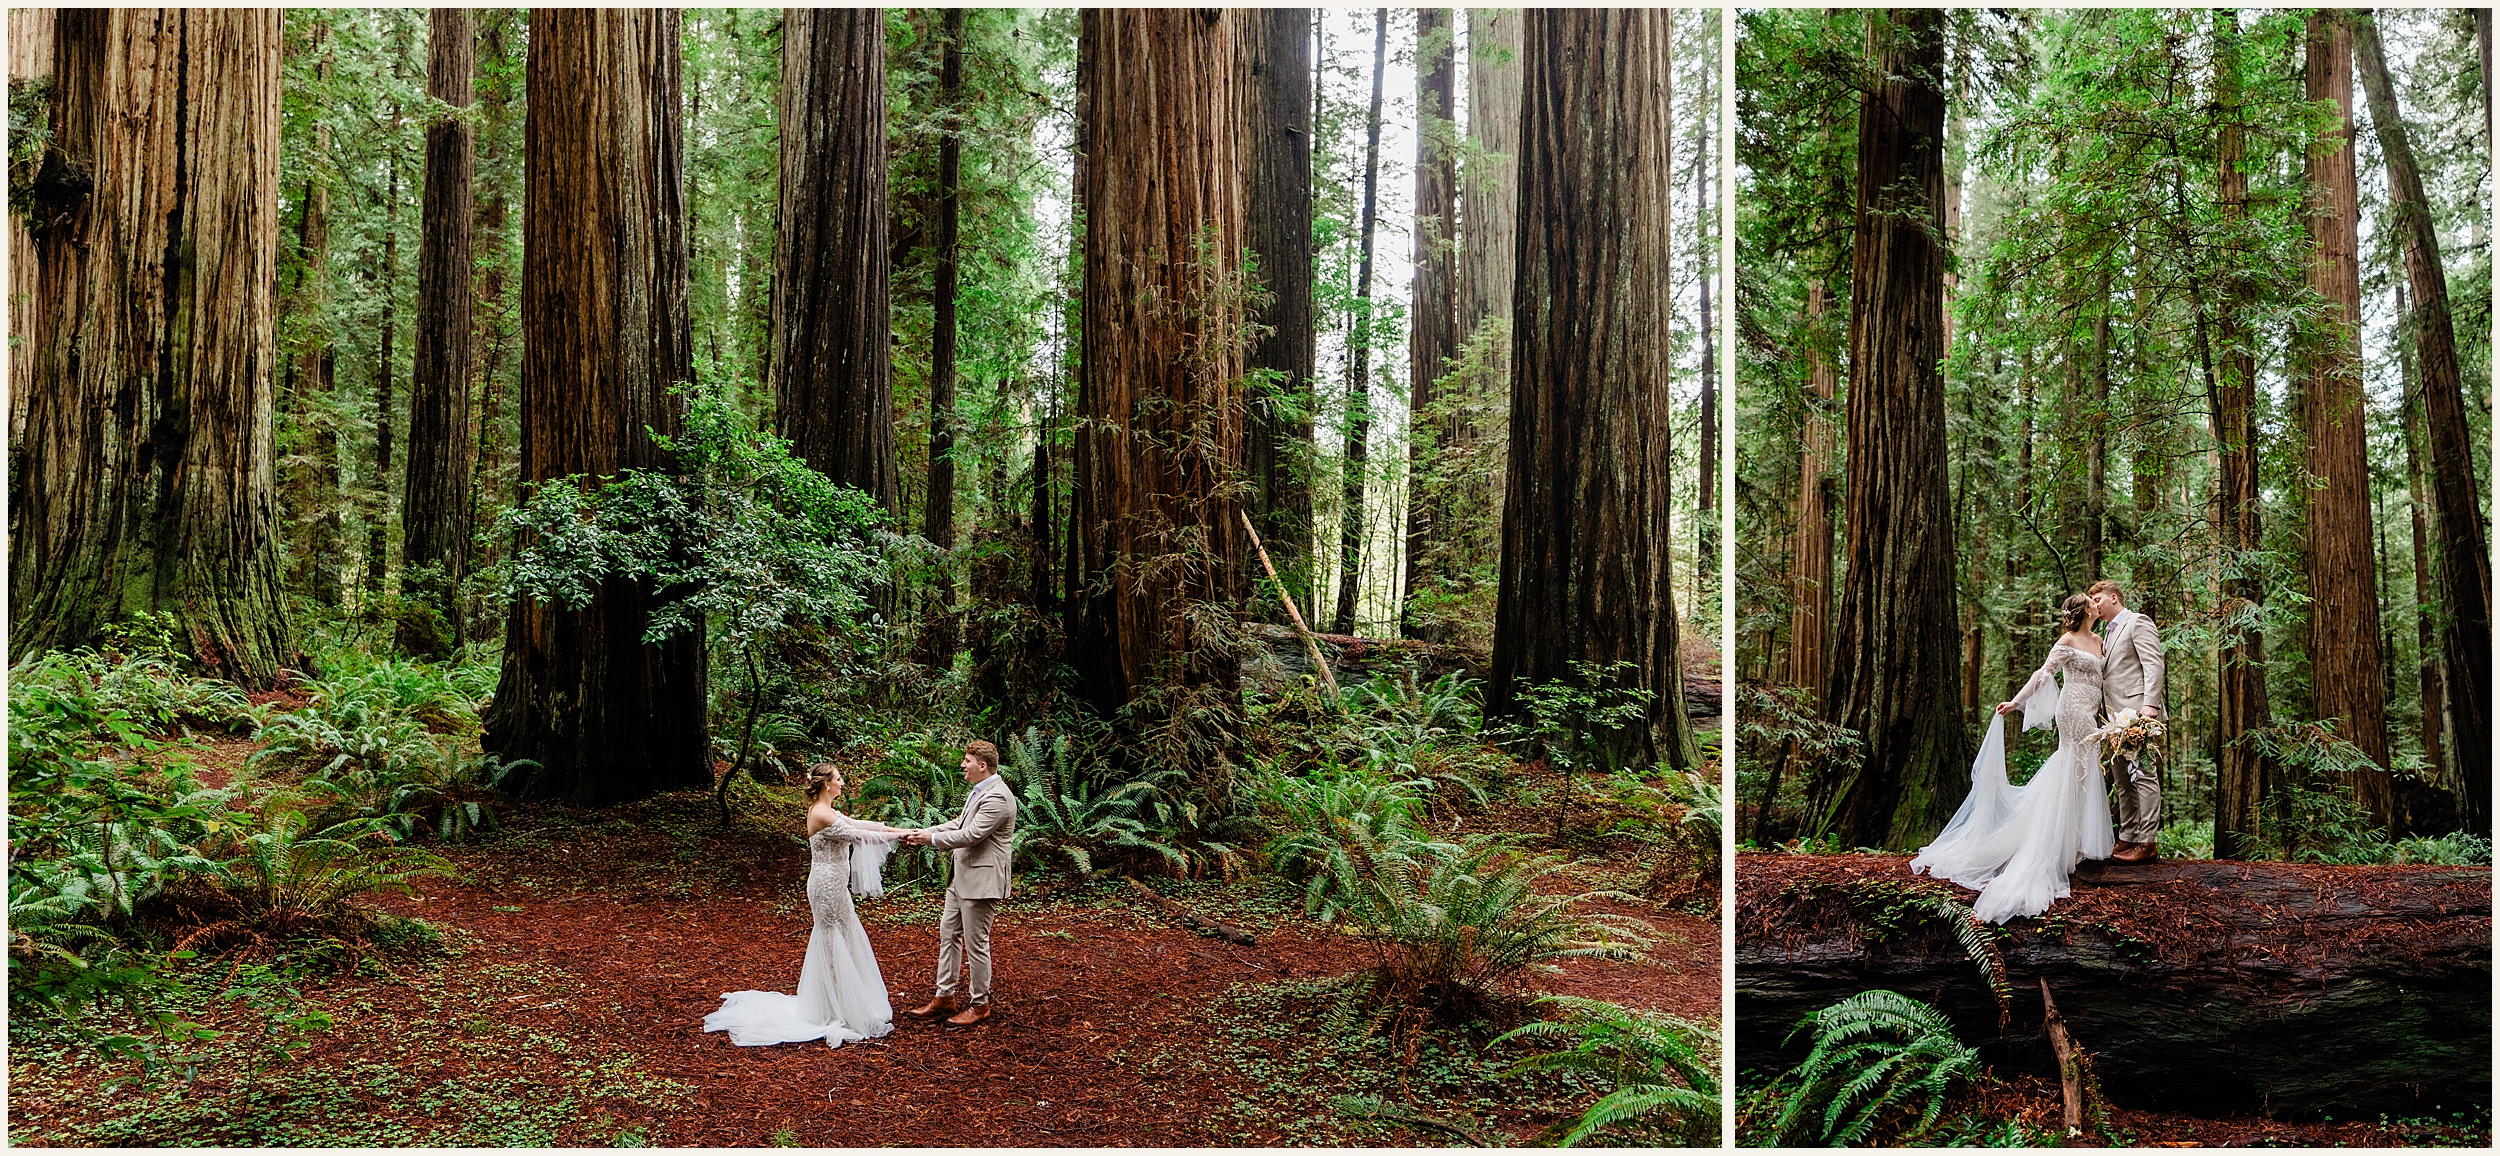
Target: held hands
(919,838)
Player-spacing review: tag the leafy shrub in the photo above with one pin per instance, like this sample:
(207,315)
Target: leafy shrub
(1451,921)
(2455,849)
(1661,1072)
(1328,823)
(1875,1054)
(387,739)
(1782,745)
(1063,821)
(280,877)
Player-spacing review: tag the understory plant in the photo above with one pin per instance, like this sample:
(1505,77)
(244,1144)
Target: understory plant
(1065,821)
(1876,1056)
(741,539)
(1661,1072)
(1451,922)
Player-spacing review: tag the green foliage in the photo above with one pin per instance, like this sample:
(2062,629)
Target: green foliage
(1661,1072)
(1876,1055)
(1782,745)
(391,739)
(285,878)
(1450,921)
(1331,822)
(1584,721)
(1064,821)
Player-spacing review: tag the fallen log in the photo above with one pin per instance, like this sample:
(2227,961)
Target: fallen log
(2290,989)
(1173,908)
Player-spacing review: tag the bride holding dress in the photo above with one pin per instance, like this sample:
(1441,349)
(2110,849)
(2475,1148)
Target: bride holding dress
(2017,845)
(841,993)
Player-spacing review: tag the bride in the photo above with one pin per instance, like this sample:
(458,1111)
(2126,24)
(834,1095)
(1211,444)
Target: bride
(2016,845)
(841,993)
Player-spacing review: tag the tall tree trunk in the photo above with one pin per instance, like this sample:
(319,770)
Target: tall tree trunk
(2241,774)
(2346,662)
(145,476)
(1585,534)
(2435,741)
(385,363)
(311,489)
(1896,651)
(2096,448)
(1488,210)
(1810,569)
(496,101)
(434,520)
(1278,156)
(1432,307)
(606,338)
(1160,411)
(2465,559)
(832,356)
(1706,480)
(1358,389)
(938,513)
(30,67)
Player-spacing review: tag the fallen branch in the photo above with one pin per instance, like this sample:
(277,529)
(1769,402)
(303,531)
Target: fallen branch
(2069,1062)
(1173,908)
(1290,612)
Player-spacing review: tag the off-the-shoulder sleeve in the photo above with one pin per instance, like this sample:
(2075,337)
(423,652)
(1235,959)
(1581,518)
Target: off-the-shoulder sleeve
(868,851)
(2039,696)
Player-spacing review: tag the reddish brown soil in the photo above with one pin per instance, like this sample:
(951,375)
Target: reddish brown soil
(2038,1104)
(617,932)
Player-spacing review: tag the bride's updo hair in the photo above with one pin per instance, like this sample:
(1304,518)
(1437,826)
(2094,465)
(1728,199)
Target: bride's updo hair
(2076,611)
(820,777)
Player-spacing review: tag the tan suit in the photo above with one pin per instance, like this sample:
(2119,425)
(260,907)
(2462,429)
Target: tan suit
(2131,679)
(983,839)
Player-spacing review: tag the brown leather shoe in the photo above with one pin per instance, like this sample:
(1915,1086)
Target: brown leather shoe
(2121,848)
(970,1016)
(939,1006)
(2135,853)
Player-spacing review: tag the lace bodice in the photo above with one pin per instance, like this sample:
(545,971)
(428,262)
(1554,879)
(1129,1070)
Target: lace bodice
(2076,664)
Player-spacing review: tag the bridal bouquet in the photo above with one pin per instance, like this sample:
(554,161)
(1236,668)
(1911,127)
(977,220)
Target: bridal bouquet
(2126,733)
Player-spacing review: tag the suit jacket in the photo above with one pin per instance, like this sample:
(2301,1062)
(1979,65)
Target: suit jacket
(983,839)
(2132,675)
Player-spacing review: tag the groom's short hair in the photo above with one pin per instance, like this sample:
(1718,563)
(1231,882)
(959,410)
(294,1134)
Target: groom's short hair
(2110,585)
(982,750)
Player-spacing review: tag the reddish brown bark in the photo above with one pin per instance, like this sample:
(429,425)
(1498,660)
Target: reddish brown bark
(144,479)
(832,356)
(1432,304)
(2464,558)
(1896,653)
(1585,531)
(434,514)
(1278,158)
(2241,773)
(606,336)
(2347,657)
(1159,543)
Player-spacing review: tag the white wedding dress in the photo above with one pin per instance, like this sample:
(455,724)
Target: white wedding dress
(841,993)
(2017,845)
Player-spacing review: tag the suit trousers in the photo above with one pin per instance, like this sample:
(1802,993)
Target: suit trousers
(2137,788)
(965,928)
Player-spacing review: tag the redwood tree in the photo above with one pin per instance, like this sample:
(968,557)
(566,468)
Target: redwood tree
(1488,209)
(144,479)
(832,355)
(2347,660)
(1358,380)
(1432,305)
(2241,772)
(434,515)
(938,515)
(1585,535)
(2464,559)
(1896,670)
(607,717)
(1156,526)
(1277,156)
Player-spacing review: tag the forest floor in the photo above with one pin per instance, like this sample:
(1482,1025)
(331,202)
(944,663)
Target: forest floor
(554,991)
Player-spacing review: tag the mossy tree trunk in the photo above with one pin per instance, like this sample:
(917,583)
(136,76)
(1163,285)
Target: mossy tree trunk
(145,476)
(434,515)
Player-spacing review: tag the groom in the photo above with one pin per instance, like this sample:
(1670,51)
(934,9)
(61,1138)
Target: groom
(983,839)
(2131,679)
